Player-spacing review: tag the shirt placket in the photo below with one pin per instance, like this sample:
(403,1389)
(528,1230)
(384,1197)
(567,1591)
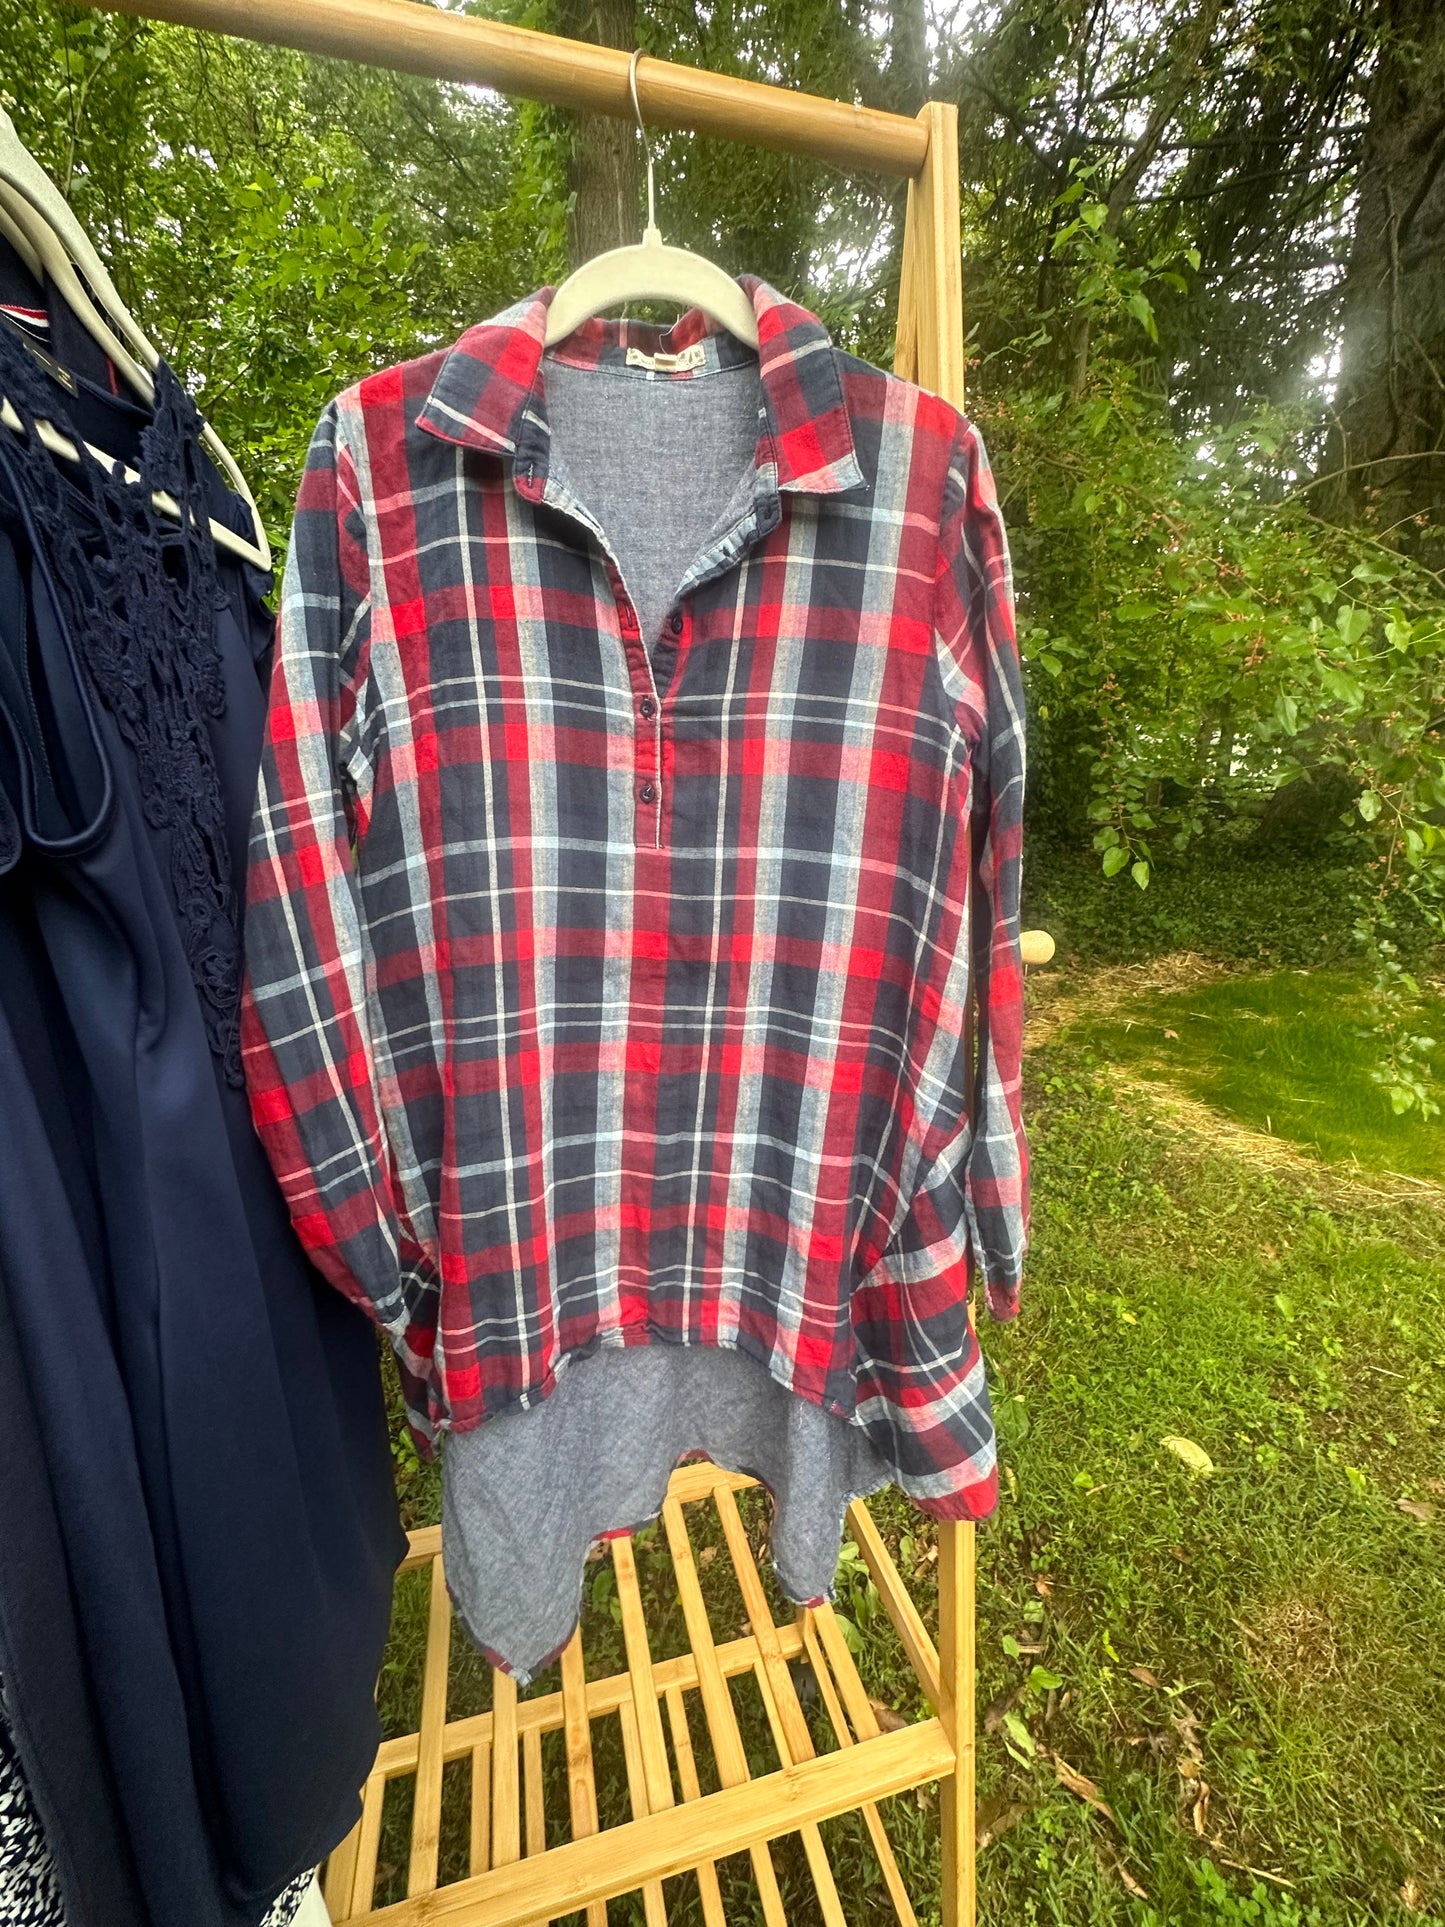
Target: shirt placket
(652,783)
(652,735)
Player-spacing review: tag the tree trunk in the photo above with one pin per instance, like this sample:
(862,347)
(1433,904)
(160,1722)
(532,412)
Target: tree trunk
(1386,459)
(604,169)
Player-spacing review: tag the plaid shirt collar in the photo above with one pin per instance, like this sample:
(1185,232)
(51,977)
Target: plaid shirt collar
(490,392)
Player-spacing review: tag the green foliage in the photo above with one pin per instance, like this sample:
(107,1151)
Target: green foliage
(1193,647)
(1233,897)
(1222,1906)
(279,225)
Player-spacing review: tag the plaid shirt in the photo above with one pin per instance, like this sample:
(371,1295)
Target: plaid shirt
(596,998)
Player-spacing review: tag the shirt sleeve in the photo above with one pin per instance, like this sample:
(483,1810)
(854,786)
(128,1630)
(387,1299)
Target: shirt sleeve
(312,1070)
(974,628)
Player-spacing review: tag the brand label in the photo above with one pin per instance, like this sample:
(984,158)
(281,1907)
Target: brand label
(665,364)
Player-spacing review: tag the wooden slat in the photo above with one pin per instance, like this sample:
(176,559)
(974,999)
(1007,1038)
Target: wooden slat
(340,1869)
(423,1545)
(817,1853)
(533,1792)
(654,1907)
(717,1705)
(712,1908)
(699,1478)
(865,1720)
(396,1757)
(907,1620)
(506,1819)
(872,1818)
(644,1691)
(581,1779)
(373,1808)
(956,1576)
(612,1862)
(780,1698)
(532,1789)
(798,1740)
(481,1829)
(426,1817)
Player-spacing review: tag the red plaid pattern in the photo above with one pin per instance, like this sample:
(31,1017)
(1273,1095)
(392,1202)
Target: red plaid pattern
(599,996)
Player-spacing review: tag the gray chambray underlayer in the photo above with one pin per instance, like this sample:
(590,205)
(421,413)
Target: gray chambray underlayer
(526,1494)
(655,461)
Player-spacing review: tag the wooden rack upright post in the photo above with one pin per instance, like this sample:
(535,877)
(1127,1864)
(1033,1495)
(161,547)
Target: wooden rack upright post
(506,1885)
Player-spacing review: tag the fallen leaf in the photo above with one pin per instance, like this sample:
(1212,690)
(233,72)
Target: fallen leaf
(1194,1456)
(1201,1808)
(993,1718)
(1129,1883)
(1410,1896)
(996,1817)
(1077,1783)
(1144,1676)
(1188,1767)
(1014,1726)
(1172,1033)
(1187,1727)
(888,1717)
(1419,1509)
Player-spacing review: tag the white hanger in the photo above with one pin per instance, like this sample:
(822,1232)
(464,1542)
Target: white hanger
(35,206)
(650,271)
(20,242)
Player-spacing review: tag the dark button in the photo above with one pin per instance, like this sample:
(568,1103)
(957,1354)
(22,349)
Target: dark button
(674,622)
(648,706)
(648,792)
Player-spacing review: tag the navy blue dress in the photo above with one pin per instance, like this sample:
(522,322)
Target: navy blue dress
(209,1409)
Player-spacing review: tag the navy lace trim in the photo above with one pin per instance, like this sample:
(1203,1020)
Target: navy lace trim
(142,597)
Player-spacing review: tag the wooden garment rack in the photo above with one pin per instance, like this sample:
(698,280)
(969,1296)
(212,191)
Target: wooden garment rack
(676,1827)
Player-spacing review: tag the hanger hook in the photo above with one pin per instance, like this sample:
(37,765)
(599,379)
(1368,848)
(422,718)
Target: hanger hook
(646,143)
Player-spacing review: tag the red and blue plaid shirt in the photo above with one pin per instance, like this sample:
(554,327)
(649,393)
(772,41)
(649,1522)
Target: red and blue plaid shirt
(600,997)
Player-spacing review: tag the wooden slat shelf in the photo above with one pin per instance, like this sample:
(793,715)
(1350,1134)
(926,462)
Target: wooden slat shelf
(676,1829)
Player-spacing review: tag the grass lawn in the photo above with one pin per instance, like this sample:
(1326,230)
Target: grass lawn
(1287,1053)
(1247,1662)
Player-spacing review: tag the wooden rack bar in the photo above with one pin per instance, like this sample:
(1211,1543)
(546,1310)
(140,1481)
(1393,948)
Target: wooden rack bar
(422,39)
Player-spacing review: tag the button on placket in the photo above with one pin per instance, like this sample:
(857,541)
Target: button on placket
(648,752)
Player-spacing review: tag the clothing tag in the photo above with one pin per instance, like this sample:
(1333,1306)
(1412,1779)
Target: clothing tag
(37,353)
(692,356)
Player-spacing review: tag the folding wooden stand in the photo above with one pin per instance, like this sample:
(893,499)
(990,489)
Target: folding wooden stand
(676,1827)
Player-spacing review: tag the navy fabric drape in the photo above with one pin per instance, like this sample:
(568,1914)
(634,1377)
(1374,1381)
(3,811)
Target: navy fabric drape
(44,1681)
(210,1413)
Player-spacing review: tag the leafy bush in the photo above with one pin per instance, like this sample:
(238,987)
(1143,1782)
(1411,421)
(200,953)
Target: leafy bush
(1196,642)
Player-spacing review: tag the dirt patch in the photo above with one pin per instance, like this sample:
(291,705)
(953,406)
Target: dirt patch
(1294,1639)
